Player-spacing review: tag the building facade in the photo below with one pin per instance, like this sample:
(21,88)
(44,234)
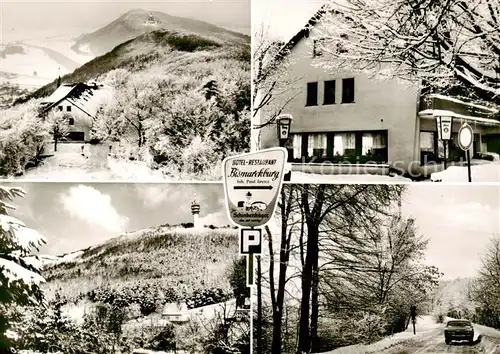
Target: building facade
(351,123)
(80,104)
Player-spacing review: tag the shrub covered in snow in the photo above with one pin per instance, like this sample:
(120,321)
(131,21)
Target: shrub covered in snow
(19,271)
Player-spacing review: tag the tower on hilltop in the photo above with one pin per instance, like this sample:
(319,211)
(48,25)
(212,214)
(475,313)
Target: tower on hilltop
(195,210)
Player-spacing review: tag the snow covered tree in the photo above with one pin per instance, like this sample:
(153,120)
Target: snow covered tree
(487,286)
(58,123)
(22,138)
(19,270)
(274,86)
(133,106)
(451,45)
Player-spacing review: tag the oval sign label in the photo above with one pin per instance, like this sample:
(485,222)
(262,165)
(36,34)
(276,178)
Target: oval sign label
(252,185)
(465,137)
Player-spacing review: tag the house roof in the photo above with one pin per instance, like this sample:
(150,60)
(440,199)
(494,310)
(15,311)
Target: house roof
(85,97)
(304,32)
(60,93)
(431,113)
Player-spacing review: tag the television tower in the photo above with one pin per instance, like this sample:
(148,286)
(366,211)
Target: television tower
(195,210)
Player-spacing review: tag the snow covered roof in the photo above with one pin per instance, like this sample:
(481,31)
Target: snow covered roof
(431,113)
(60,93)
(91,100)
(87,97)
(451,99)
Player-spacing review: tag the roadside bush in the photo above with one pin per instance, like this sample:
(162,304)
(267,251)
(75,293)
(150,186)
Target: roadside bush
(165,340)
(206,297)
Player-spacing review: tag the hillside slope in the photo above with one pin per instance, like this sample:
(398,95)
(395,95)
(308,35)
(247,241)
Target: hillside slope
(139,53)
(177,261)
(137,22)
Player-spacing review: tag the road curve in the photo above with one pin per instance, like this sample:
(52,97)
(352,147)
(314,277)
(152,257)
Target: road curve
(434,344)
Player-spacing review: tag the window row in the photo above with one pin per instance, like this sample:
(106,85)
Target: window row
(329,92)
(354,147)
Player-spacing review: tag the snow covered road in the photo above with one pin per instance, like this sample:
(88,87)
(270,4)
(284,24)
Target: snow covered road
(429,339)
(68,164)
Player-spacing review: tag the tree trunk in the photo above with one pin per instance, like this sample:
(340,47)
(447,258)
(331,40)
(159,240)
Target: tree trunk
(315,304)
(280,295)
(259,306)
(276,344)
(304,337)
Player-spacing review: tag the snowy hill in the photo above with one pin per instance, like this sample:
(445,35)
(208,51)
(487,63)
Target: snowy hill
(182,259)
(142,52)
(137,22)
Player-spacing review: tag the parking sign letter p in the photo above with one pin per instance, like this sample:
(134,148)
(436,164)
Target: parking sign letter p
(251,241)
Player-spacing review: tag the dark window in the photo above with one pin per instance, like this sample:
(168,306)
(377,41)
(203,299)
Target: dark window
(60,108)
(68,109)
(312,94)
(329,97)
(71,121)
(348,90)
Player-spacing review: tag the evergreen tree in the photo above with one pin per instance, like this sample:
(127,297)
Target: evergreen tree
(19,272)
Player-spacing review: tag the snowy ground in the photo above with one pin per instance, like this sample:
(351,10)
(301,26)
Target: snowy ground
(43,59)
(301,177)
(68,164)
(429,339)
(488,172)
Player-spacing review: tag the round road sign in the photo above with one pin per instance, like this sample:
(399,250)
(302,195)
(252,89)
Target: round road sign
(465,137)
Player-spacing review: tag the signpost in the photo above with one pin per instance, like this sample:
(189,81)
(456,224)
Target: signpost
(284,122)
(413,313)
(465,140)
(252,185)
(444,125)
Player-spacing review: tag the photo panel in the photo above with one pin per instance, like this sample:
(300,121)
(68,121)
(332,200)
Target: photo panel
(354,102)
(123,90)
(380,269)
(120,268)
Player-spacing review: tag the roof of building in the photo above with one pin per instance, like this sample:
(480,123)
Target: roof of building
(87,97)
(304,31)
(60,93)
(431,113)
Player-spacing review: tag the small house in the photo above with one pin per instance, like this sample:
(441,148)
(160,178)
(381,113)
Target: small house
(176,313)
(80,103)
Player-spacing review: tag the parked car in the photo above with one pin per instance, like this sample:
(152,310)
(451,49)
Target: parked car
(458,330)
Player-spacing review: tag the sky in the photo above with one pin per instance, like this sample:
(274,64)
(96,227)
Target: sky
(57,18)
(459,221)
(282,19)
(73,216)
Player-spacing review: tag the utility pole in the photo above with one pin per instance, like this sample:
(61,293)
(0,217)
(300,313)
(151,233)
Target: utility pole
(413,313)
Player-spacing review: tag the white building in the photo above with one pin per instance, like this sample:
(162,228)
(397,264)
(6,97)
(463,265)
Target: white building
(80,103)
(176,313)
(352,121)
